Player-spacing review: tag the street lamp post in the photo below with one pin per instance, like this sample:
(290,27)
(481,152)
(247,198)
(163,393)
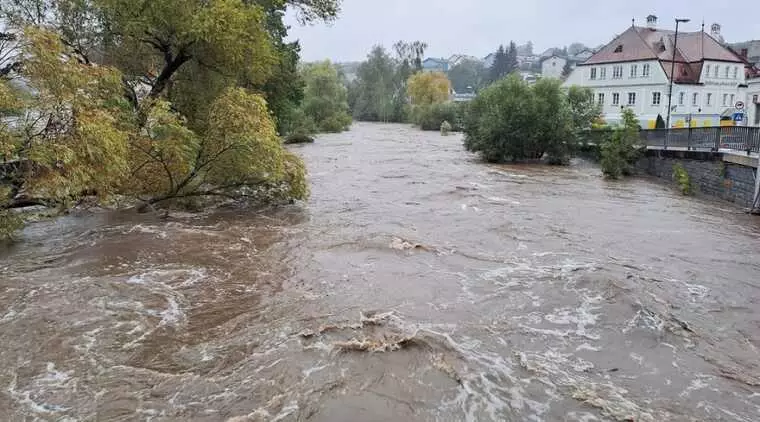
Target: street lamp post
(673,70)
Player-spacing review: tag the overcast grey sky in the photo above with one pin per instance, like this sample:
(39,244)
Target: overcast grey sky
(477,27)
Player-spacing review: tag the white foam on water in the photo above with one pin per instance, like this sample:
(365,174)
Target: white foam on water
(286,411)
(172,314)
(695,385)
(161,234)
(308,371)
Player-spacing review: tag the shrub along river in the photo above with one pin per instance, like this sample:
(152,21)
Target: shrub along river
(417,284)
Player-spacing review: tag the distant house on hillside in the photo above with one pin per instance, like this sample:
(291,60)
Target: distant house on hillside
(435,65)
(552,66)
(459,58)
(750,50)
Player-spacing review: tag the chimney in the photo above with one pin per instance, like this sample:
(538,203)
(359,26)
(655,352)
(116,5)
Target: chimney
(715,32)
(652,22)
(745,52)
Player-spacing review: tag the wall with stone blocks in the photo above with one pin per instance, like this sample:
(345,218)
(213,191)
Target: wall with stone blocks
(709,175)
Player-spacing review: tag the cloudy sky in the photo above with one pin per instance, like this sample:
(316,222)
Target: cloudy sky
(477,27)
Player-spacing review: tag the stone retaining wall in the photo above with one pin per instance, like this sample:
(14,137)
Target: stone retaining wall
(709,174)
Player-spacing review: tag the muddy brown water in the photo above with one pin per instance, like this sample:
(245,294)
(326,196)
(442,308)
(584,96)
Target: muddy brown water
(416,284)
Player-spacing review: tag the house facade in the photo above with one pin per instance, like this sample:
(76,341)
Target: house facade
(435,65)
(552,67)
(634,71)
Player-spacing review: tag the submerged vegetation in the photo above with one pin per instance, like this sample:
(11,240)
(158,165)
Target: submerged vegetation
(513,121)
(618,151)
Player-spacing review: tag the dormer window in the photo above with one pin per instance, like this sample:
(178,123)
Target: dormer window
(619,49)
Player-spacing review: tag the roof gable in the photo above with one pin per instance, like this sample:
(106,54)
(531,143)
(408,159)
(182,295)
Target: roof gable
(628,46)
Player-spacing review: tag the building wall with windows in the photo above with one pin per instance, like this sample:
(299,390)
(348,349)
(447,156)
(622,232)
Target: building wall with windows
(753,102)
(643,87)
(552,67)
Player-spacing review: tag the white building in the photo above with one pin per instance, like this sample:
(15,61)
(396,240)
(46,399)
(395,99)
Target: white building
(753,102)
(552,67)
(634,71)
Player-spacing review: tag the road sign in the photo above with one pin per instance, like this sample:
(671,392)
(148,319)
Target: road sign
(738,117)
(739,105)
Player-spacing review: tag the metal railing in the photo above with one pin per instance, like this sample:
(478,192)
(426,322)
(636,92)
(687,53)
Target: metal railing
(736,138)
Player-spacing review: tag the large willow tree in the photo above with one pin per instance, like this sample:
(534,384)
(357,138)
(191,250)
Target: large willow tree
(152,99)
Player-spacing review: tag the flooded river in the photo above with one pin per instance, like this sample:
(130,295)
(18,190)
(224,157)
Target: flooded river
(417,284)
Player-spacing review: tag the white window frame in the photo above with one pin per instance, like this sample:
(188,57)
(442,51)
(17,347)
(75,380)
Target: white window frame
(725,100)
(645,70)
(634,71)
(707,73)
(600,98)
(695,99)
(602,73)
(681,98)
(617,72)
(717,71)
(728,70)
(593,74)
(656,98)
(615,98)
(736,72)
(631,98)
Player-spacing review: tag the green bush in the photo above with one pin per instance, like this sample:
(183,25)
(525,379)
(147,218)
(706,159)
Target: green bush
(511,120)
(299,138)
(619,150)
(430,117)
(335,123)
(681,176)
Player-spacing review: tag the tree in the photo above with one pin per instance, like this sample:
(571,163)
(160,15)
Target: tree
(428,88)
(499,67)
(512,64)
(567,69)
(619,151)
(584,109)
(467,76)
(161,101)
(375,87)
(511,120)
(575,48)
(325,98)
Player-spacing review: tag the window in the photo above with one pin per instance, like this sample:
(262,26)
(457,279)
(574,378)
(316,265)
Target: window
(619,49)
(736,72)
(681,98)
(717,69)
(615,99)
(603,73)
(593,73)
(709,98)
(656,98)
(708,71)
(645,71)
(725,100)
(617,72)
(731,103)
(634,70)
(695,99)
(728,69)
(600,99)
(631,98)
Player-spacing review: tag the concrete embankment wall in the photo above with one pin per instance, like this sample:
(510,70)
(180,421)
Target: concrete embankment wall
(730,177)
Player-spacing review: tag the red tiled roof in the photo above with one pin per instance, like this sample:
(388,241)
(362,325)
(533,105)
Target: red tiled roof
(656,44)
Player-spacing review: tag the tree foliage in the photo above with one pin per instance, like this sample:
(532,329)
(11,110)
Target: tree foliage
(154,100)
(427,88)
(325,101)
(375,87)
(468,76)
(511,120)
(619,151)
(505,62)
